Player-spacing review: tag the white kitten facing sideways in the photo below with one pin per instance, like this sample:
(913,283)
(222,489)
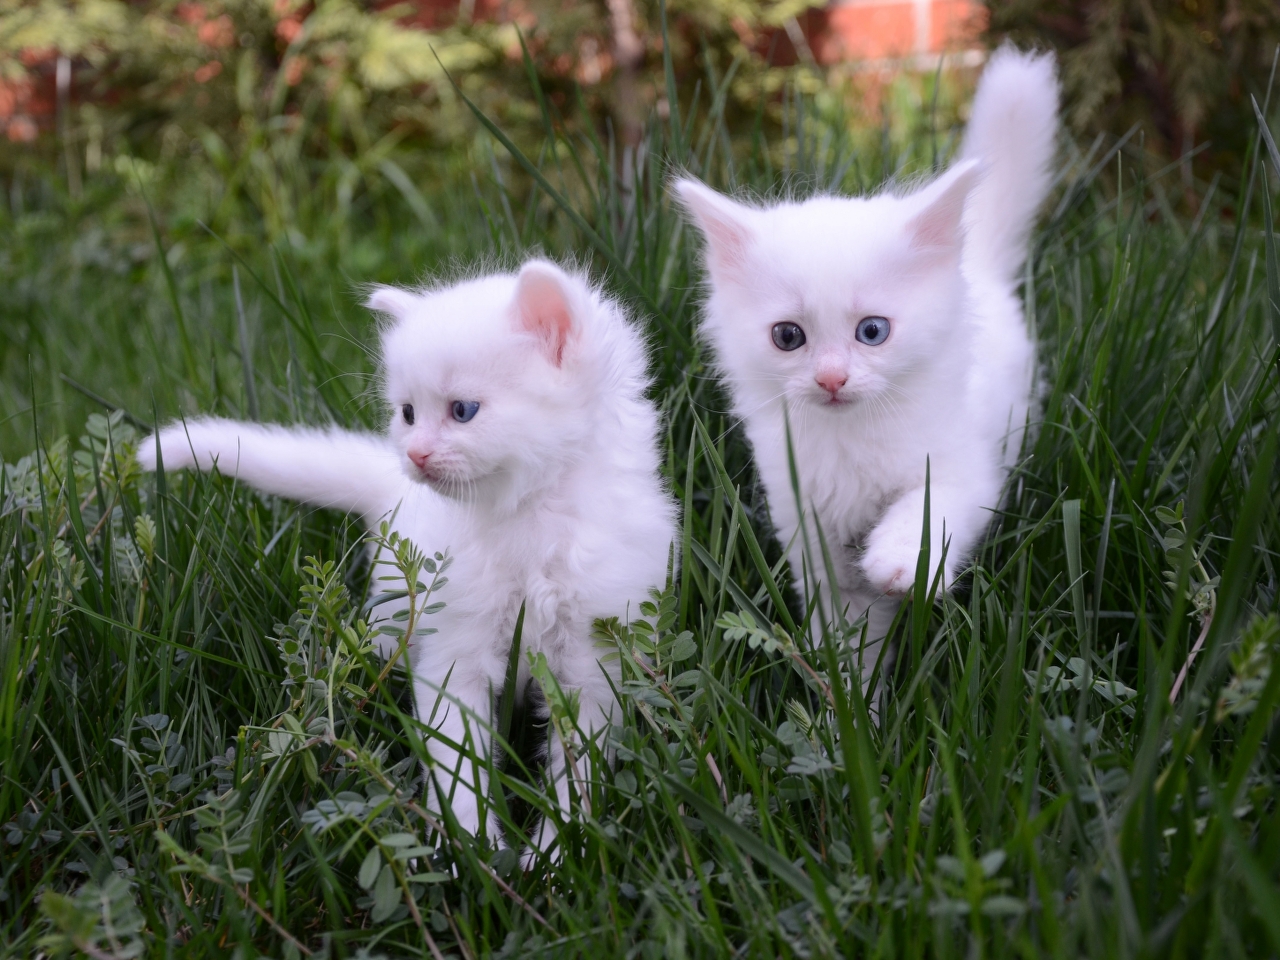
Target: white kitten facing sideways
(522,441)
(888,330)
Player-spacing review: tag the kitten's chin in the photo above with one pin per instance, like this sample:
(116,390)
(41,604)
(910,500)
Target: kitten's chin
(454,488)
(451,487)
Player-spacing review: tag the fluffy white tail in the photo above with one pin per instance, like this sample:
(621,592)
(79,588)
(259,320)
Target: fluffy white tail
(1013,131)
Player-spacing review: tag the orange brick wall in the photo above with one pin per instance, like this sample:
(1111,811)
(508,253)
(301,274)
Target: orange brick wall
(894,29)
(873,31)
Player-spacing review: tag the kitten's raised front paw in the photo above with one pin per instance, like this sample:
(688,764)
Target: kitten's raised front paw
(889,562)
(147,452)
(173,442)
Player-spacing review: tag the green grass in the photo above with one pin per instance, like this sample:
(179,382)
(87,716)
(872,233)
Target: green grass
(1029,790)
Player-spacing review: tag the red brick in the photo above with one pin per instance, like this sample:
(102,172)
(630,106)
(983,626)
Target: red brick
(875,31)
(955,24)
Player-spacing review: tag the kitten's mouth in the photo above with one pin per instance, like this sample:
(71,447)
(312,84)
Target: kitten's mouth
(832,402)
(429,474)
(435,478)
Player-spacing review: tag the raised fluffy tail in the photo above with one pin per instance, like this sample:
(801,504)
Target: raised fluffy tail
(1013,131)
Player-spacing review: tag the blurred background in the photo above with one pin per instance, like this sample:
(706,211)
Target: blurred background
(83,84)
(342,130)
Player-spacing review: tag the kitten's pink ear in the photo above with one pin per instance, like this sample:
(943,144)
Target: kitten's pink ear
(543,296)
(936,228)
(393,301)
(726,225)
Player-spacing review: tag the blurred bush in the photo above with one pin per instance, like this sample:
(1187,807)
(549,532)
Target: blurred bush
(1182,69)
(253,116)
(155,78)
(145,78)
(200,85)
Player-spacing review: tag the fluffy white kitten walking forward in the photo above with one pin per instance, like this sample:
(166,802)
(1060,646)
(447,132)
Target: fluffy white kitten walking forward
(522,441)
(888,331)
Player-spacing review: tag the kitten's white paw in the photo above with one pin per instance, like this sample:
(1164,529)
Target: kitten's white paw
(493,825)
(147,453)
(544,839)
(532,857)
(173,442)
(893,551)
(889,562)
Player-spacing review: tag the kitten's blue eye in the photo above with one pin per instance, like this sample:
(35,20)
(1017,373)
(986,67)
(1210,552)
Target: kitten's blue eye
(464,410)
(407,412)
(872,331)
(788,336)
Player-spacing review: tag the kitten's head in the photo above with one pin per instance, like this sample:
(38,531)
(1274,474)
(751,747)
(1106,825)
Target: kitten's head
(833,302)
(493,382)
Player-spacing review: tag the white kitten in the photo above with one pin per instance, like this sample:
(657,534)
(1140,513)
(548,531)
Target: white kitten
(522,441)
(888,330)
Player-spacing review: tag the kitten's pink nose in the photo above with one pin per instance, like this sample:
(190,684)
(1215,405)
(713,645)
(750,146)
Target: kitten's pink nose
(831,381)
(419,458)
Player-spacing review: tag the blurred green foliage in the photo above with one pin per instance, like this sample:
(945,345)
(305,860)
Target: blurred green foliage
(164,78)
(271,120)
(1183,69)
(197,81)
(151,78)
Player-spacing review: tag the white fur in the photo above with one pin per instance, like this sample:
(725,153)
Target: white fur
(952,385)
(549,496)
